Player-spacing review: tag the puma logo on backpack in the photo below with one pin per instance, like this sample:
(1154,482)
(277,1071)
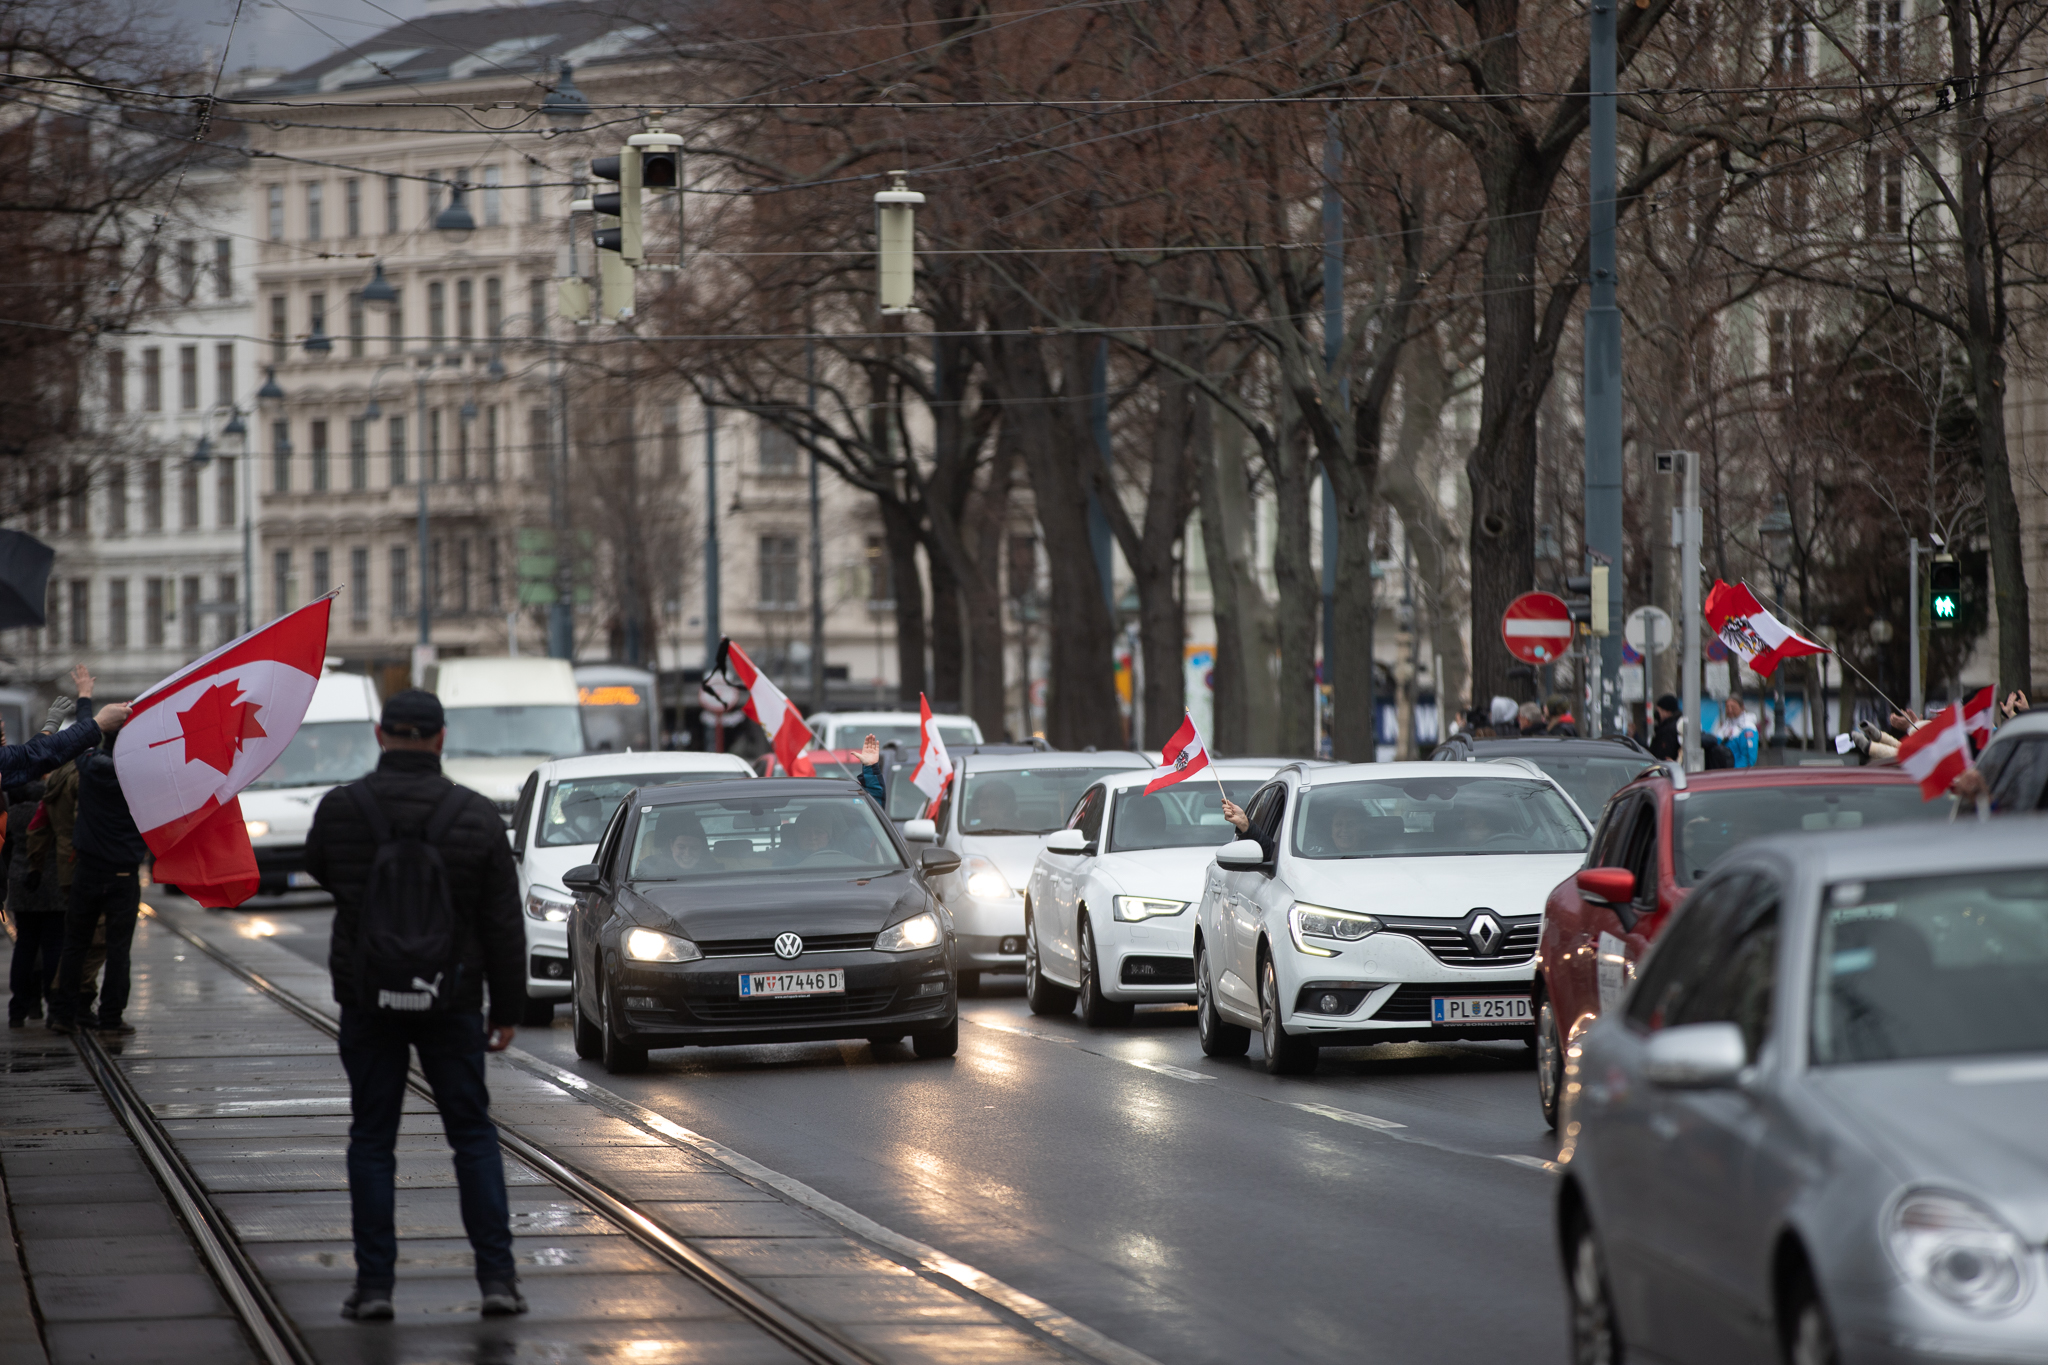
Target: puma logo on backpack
(408,937)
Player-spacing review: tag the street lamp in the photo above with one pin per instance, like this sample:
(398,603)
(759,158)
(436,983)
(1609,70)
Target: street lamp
(379,289)
(319,343)
(270,392)
(564,106)
(1774,532)
(455,219)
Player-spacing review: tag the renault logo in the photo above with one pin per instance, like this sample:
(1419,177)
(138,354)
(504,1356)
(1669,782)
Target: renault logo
(1485,933)
(788,945)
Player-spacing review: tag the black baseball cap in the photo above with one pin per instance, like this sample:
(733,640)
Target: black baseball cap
(1668,702)
(412,714)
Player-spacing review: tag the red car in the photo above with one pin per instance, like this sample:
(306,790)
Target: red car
(824,763)
(1656,837)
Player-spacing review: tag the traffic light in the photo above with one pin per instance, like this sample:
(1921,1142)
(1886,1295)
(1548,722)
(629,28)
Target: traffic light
(1579,599)
(618,211)
(1944,591)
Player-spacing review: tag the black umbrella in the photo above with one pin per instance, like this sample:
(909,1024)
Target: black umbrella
(24,579)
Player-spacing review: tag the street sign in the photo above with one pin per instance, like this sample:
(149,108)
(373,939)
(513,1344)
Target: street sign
(1536,627)
(1649,630)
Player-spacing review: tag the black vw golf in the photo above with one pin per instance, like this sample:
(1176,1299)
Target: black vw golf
(758,911)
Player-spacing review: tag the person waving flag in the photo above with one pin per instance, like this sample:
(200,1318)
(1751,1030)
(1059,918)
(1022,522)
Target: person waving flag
(934,765)
(1184,756)
(1938,752)
(768,708)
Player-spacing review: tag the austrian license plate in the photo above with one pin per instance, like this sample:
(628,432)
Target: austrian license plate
(755,985)
(301,880)
(1481,1009)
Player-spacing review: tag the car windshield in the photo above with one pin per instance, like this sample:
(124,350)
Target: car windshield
(323,754)
(742,837)
(1590,780)
(904,737)
(1427,817)
(513,732)
(1712,822)
(575,811)
(1185,815)
(1024,800)
(1949,966)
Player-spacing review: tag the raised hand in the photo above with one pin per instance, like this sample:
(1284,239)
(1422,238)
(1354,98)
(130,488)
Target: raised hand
(81,680)
(1234,813)
(870,751)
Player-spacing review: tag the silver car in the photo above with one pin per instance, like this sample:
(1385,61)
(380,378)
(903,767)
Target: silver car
(1817,1129)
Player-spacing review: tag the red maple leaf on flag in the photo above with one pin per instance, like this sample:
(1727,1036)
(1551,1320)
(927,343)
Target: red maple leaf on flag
(215,725)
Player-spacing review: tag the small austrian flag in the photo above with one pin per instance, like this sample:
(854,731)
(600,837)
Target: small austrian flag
(1938,752)
(1184,755)
(1762,641)
(1977,716)
(769,708)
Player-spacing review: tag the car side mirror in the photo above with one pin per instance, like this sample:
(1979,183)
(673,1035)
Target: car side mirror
(1696,1056)
(1067,841)
(920,832)
(584,878)
(1241,855)
(937,862)
(1607,885)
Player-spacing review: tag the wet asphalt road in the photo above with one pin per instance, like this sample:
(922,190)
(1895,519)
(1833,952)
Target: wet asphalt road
(1198,1211)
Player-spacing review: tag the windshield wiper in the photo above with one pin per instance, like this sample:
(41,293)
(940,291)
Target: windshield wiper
(998,832)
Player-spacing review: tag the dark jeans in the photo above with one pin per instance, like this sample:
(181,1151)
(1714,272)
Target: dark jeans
(97,888)
(38,939)
(375,1049)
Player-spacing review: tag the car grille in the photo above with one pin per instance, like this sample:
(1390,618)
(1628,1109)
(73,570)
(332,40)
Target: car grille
(1410,1004)
(1447,943)
(765,947)
(1158,971)
(812,1009)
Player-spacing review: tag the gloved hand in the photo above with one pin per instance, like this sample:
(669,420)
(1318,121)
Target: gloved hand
(61,712)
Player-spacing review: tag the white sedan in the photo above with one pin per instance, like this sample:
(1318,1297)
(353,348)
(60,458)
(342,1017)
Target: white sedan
(1378,903)
(562,810)
(1108,907)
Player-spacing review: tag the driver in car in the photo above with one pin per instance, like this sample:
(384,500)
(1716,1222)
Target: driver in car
(995,806)
(810,835)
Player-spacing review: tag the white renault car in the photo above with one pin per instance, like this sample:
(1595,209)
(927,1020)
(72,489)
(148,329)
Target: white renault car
(562,811)
(1109,910)
(995,814)
(1378,903)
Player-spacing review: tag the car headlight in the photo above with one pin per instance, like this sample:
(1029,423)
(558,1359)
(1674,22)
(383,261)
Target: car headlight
(919,931)
(1305,922)
(1135,908)
(651,945)
(548,906)
(986,881)
(257,828)
(1960,1250)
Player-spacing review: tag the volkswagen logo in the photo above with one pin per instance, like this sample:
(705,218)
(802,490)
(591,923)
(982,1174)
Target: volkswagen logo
(788,945)
(1485,933)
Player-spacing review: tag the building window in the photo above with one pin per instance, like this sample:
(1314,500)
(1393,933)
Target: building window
(358,324)
(189,615)
(274,195)
(188,269)
(401,591)
(430,577)
(359,586)
(188,495)
(117,382)
(394,323)
(671,441)
(462,576)
(315,226)
(433,196)
(1884,194)
(880,576)
(352,200)
(153,613)
(358,454)
(494,307)
(152,379)
(391,203)
(117,613)
(539,440)
(321,577)
(779,451)
(461,449)
(494,212)
(223,267)
(78,491)
(224,514)
(280,326)
(778,568)
(188,378)
(536,306)
(317,451)
(493,567)
(437,313)
(152,495)
(53,611)
(1788,39)
(491,443)
(280,456)
(316,314)
(465,311)
(533,179)
(281,582)
(224,374)
(149,270)
(431,468)
(1884,37)
(81,611)
(229,598)
(117,499)
(394,437)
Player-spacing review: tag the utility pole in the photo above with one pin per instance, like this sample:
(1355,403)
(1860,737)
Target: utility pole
(423,651)
(1688,537)
(1916,693)
(1603,372)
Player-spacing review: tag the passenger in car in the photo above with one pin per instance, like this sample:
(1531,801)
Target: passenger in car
(686,854)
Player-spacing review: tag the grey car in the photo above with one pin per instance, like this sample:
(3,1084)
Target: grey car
(1817,1129)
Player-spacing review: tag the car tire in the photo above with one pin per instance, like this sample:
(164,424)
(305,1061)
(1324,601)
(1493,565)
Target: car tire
(1596,1335)
(970,983)
(1549,1060)
(1043,996)
(589,1042)
(938,1042)
(1285,1055)
(1219,1037)
(537,1014)
(1809,1338)
(1097,1009)
(622,1055)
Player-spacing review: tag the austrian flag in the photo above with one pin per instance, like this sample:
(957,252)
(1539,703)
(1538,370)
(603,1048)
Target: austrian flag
(193,741)
(1938,752)
(1762,641)
(1184,754)
(768,708)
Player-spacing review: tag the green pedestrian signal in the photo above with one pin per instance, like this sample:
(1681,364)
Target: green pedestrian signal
(1944,591)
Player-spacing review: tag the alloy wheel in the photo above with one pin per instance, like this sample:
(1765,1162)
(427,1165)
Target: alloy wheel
(1218,1037)
(1813,1339)
(1549,1062)
(1594,1339)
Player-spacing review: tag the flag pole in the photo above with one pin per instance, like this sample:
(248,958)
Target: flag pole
(1221,795)
(1840,658)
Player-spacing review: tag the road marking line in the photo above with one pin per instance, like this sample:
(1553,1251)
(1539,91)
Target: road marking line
(1329,1111)
(1179,1073)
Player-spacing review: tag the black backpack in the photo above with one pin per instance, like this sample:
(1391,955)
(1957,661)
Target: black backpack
(408,938)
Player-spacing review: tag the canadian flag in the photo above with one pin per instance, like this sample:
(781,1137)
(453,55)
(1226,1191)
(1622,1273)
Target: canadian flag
(1184,754)
(769,708)
(1937,753)
(934,766)
(193,741)
(1761,640)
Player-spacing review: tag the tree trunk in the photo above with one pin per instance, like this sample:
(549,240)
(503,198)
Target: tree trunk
(982,598)
(1178,430)
(1300,593)
(1243,697)
(1432,531)
(1354,711)
(949,655)
(900,537)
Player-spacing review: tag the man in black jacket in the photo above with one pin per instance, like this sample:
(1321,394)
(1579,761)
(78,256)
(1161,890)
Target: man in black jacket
(106,881)
(376,1043)
(1665,741)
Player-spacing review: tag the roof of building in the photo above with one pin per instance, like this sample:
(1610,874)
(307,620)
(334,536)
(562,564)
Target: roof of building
(528,41)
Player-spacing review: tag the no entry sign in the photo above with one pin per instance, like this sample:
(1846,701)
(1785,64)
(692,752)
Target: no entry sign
(1536,627)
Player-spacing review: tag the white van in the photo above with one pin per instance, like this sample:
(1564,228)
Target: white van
(847,729)
(336,743)
(505,718)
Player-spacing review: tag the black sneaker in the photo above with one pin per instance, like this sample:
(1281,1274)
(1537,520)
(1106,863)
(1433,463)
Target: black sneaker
(368,1305)
(64,1026)
(501,1298)
(117,1027)
(17,1021)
